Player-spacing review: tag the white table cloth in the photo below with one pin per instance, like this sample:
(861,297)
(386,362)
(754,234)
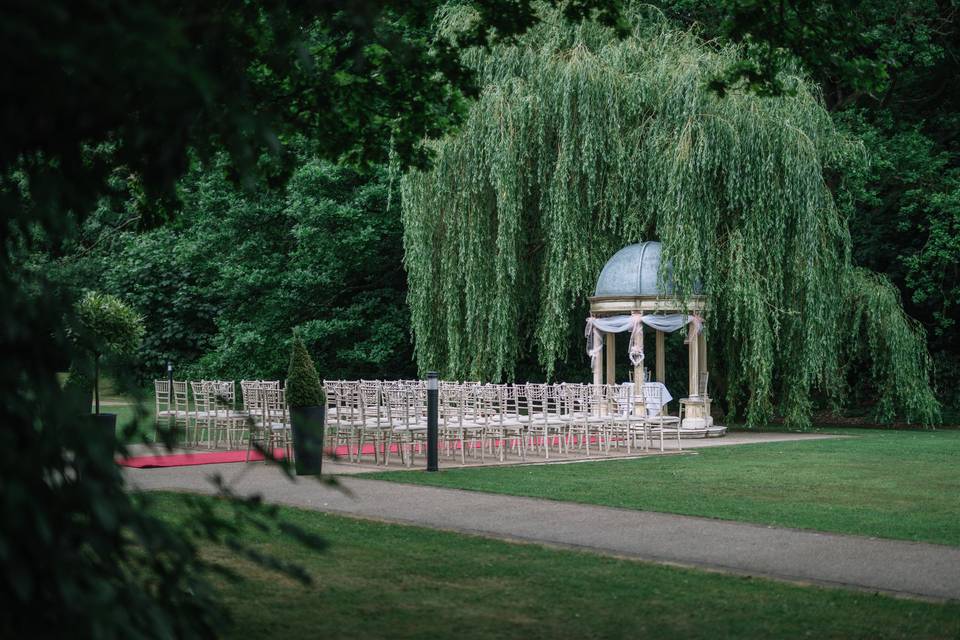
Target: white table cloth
(655,395)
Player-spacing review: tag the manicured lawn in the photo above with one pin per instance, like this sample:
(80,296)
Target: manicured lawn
(378,580)
(891,484)
(127,413)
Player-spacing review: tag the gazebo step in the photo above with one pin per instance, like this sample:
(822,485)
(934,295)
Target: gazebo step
(714,431)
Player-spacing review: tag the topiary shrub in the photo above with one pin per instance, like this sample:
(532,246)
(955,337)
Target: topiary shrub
(303,382)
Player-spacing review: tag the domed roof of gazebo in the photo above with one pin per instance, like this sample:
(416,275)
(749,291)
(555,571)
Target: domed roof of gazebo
(633,271)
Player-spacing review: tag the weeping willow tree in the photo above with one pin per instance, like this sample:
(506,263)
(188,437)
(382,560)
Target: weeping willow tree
(582,142)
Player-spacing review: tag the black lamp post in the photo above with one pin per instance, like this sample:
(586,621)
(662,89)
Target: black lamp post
(170,384)
(433,387)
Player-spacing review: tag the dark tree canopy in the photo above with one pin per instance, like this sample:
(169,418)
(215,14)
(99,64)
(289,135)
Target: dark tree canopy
(890,75)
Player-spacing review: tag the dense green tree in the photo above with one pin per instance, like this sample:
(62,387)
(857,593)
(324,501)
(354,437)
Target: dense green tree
(581,143)
(852,47)
(222,287)
(890,75)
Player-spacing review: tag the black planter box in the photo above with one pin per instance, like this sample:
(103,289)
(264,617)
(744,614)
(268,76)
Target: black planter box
(106,426)
(307,425)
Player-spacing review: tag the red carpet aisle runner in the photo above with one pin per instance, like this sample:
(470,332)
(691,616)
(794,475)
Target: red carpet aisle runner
(190,459)
(221,457)
(216,457)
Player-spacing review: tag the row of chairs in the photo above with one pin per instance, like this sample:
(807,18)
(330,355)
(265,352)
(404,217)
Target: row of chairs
(377,418)
(382,418)
(207,414)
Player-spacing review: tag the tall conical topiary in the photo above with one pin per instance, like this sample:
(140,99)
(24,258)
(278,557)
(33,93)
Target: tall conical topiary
(303,382)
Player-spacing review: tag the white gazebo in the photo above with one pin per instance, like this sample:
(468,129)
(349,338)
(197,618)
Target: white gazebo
(629,297)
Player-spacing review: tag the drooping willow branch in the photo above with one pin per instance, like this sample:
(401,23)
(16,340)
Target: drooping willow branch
(582,142)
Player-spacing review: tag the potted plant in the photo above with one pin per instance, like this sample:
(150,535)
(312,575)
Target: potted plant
(104,326)
(308,406)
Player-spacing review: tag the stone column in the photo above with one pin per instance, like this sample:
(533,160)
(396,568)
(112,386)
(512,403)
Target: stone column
(702,353)
(694,362)
(638,369)
(661,370)
(597,370)
(611,348)
(696,409)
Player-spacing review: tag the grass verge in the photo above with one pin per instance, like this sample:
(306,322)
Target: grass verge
(890,484)
(380,580)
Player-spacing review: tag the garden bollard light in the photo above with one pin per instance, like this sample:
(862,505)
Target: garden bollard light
(170,384)
(171,408)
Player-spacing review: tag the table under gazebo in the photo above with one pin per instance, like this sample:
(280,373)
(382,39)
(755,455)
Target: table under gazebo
(630,295)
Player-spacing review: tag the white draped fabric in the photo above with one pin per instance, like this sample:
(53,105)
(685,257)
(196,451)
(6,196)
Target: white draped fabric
(634,324)
(615,324)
